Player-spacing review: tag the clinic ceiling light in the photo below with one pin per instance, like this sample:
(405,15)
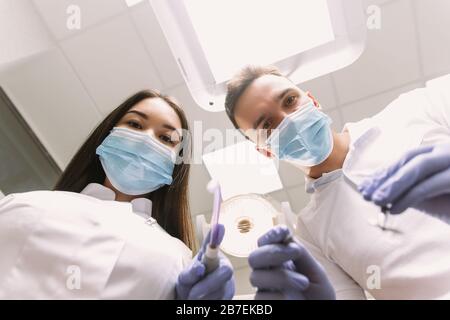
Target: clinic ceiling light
(211,40)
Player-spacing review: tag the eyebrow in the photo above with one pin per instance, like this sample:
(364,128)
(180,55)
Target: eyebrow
(168,126)
(284,93)
(143,115)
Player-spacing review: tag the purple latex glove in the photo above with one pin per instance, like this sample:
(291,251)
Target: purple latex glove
(421,180)
(193,284)
(288,269)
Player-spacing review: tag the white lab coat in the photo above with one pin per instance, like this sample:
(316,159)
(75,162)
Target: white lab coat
(339,227)
(65,245)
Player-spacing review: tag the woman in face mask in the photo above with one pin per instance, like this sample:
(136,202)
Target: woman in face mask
(117,225)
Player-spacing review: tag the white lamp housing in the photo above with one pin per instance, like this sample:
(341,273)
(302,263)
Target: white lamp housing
(211,40)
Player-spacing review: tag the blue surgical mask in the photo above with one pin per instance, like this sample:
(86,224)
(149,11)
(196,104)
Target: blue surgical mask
(136,163)
(303,137)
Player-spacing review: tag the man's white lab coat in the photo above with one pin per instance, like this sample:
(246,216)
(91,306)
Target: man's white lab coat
(65,245)
(412,259)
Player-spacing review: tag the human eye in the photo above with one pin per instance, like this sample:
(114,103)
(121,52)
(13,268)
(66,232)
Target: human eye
(134,124)
(291,101)
(167,139)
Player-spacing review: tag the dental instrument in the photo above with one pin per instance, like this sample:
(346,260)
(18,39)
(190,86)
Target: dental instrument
(384,210)
(211,256)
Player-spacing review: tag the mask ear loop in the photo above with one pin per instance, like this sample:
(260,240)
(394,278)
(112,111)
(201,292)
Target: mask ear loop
(313,99)
(266,150)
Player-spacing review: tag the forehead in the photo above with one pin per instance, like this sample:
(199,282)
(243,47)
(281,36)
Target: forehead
(158,109)
(261,94)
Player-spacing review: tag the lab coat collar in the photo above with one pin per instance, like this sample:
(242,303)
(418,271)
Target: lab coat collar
(361,134)
(313,184)
(140,206)
(99,191)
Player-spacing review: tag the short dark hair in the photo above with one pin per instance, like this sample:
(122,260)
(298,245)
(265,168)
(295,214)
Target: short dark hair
(240,82)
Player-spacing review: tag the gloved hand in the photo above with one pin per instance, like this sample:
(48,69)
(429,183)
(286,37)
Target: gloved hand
(421,180)
(194,284)
(288,269)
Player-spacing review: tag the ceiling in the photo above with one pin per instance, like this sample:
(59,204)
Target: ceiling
(82,75)
(86,73)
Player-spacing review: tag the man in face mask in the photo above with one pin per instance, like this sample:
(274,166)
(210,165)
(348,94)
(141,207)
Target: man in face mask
(264,101)
(405,257)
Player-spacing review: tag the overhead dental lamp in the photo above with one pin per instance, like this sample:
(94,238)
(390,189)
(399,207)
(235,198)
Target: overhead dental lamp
(211,40)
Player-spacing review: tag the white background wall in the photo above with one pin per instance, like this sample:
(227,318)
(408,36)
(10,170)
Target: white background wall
(64,92)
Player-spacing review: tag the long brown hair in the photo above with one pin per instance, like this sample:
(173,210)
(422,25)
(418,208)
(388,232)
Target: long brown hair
(170,203)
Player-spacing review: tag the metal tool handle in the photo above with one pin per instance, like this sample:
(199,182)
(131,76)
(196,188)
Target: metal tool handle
(211,259)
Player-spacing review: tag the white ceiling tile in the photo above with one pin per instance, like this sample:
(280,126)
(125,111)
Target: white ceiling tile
(367,3)
(299,198)
(371,106)
(390,58)
(52,100)
(22,32)
(112,62)
(217,120)
(155,42)
(322,89)
(337,121)
(435,76)
(200,199)
(434,34)
(92,12)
